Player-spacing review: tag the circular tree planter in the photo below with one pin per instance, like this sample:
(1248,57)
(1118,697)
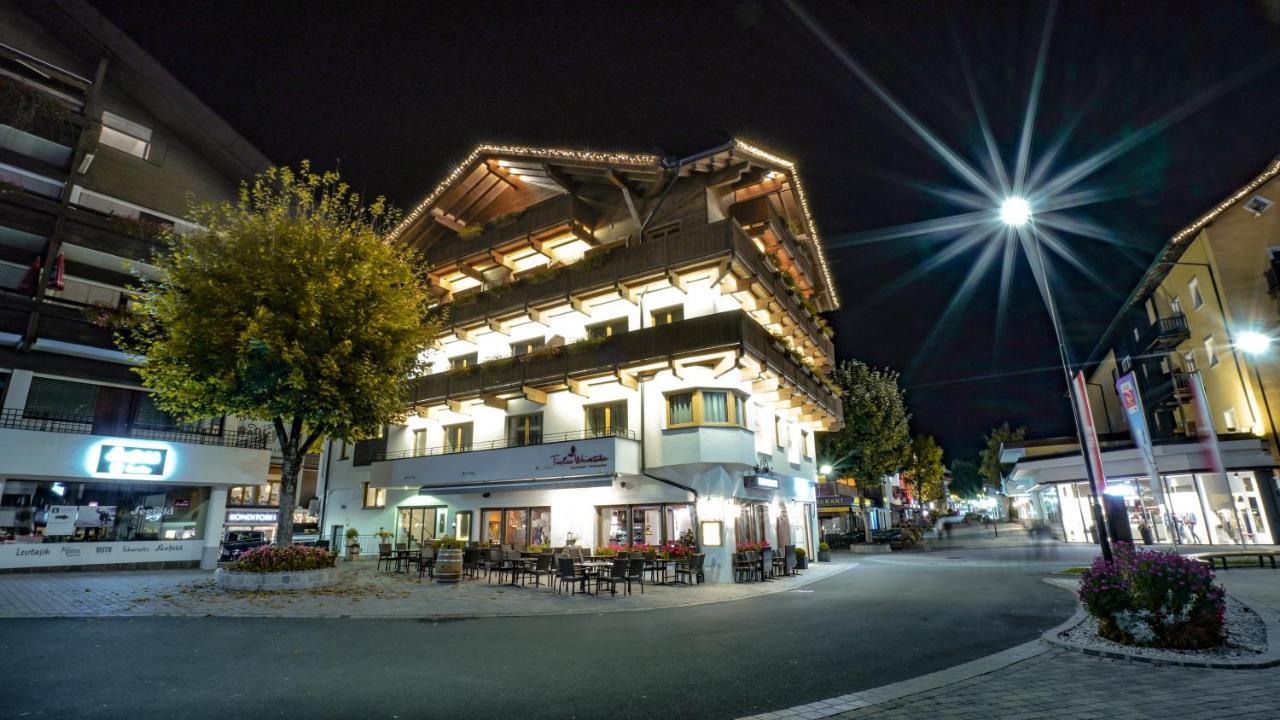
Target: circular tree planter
(296,580)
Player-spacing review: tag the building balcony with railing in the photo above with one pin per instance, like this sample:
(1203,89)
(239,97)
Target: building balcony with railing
(1166,333)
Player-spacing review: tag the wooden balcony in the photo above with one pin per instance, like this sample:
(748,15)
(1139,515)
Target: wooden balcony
(563,212)
(86,228)
(1166,333)
(761,218)
(62,321)
(628,264)
(554,368)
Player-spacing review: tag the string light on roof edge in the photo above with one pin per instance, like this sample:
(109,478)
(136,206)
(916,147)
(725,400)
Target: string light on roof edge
(1267,175)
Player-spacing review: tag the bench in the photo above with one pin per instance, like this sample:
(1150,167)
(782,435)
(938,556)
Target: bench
(1213,557)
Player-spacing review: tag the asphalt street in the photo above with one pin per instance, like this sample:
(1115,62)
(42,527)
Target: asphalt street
(888,619)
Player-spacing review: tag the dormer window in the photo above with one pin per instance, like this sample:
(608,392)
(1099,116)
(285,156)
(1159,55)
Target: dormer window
(125,135)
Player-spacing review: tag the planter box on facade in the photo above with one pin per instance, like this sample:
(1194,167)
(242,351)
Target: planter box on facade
(250,581)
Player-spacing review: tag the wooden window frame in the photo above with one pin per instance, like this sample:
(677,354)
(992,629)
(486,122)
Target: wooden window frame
(465,360)
(528,518)
(364,497)
(448,434)
(653,314)
(731,409)
(606,325)
(612,426)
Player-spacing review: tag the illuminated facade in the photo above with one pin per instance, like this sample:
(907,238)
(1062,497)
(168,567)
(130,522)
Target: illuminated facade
(99,151)
(635,350)
(1212,288)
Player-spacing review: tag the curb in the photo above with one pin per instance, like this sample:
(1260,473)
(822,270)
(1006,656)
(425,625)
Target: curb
(1270,658)
(896,691)
(801,582)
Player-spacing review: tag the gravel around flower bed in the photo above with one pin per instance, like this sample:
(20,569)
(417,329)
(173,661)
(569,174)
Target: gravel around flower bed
(1246,638)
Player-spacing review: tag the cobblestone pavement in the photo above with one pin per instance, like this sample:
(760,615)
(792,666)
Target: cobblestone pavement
(363,592)
(1035,680)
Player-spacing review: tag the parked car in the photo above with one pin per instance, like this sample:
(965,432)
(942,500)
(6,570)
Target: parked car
(238,542)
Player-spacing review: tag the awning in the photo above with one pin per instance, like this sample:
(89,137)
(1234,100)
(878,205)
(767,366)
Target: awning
(567,482)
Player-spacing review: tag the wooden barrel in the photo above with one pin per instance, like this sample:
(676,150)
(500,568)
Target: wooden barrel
(449,565)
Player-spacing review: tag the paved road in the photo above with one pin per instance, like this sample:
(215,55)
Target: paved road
(887,619)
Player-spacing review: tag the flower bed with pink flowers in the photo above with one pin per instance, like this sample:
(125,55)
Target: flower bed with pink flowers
(297,567)
(1154,599)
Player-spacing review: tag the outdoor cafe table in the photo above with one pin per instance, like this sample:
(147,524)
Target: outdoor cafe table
(401,559)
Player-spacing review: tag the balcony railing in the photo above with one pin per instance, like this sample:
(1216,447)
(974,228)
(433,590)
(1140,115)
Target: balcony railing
(540,439)
(83,424)
(732,329)
(696,244)
(561,210)
(761,211)
(1166,333)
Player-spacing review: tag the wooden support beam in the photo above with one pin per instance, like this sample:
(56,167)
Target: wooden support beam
(579,388)
(765,386)
(533,394)
(498,326)
(493,401)
(626,379)
(465,334)
(727,363)
(627,195)
(457,406)
(560,178)
(676,281)
(580,305)
(583,234)
(538,316)
(447,220)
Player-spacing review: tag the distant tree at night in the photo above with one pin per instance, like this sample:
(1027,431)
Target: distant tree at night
(289,306)
(875,440)
(989,457)
(924,469)
(966,480)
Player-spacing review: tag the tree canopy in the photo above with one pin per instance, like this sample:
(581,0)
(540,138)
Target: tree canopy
(989,457)
(966,480)
(875,440)
(924,469)
(289,306)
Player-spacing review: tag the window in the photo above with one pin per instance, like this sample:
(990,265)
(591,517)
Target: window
(458,362)
(524,429)
(1189,361)
(420,441)
(1210,352)
(607,419)
(650,524)
(680,409)
(706,407)
(1151,311)
(344,451)
(103,512)
(524,347)
(1175,305)
(1197,300)
(668,315)
(50,398)
(374,497)
(1257,205)
(663,231)
(462,525)
(518,527)
(418,524)
(457,438)
(806,444)
(607,329)
(1229,417)
(125,135)
(780,431)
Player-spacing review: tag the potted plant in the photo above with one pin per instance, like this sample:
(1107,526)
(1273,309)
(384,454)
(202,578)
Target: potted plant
(1145,530)
(353,544)
(802,562)
(384,540)
(824,552)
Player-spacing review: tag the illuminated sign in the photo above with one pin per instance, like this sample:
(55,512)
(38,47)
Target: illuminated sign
(761,482)
(130,459)
(253,516)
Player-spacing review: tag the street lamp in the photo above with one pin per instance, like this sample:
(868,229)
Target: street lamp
(1015,212)
(825,470)
(1256,344)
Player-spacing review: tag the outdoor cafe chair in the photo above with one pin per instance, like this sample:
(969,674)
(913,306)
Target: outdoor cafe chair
(426,561)
(541,567)
(766,564)
(617,574)
(691,568)
(470,562)
(635,573)
(384,556)
(568,574)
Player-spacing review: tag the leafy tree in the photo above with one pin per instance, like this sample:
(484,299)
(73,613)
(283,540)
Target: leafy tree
(966,480)
(989,457)
(874,441)
(924,469)
(289,307)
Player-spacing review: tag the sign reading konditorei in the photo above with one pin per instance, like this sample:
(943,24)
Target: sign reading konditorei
(27,555)
(252,516)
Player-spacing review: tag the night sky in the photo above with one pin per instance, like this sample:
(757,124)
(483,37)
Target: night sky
(400,92)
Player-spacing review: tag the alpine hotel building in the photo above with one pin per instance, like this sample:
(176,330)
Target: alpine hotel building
(634,350)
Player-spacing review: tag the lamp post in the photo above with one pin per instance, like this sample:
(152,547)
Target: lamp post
(1255,345)
(1015,212)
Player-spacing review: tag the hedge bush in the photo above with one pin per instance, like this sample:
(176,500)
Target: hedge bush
(270,558)
(1155,599)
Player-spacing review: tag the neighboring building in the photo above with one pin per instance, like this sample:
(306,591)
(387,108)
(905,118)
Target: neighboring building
(100,149)
(634,351)
(1214,281)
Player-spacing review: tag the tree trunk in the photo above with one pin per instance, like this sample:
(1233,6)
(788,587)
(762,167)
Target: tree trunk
(288,494)
(866,523)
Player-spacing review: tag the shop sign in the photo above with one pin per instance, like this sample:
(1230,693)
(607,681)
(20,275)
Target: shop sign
(761,482)
(253,516)
(123,460)
(20,555)
(61,520)
(838,501)
(576,460)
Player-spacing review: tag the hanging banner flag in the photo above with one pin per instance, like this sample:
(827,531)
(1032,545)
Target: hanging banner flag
(1209,452)
(1131,402)
(1092,452)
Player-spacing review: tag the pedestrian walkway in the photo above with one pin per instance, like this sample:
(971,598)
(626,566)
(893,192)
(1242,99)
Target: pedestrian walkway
(1036,680)
(362,593)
